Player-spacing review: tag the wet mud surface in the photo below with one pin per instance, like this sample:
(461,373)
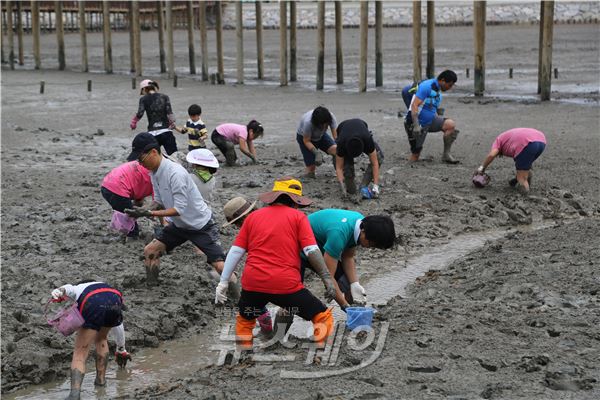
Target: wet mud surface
(57,147)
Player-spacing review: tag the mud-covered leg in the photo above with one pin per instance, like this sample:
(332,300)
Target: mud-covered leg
(152,253)
(349,175)
(83,341)
(368,176)
(101,356)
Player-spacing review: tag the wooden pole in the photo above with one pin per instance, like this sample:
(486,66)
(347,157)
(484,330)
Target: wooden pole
(60,35)
(260,60)
(170,49)
(203,42)
(364,42)
(131,39)
(547,36)
(320,44)
(430,69)
(283,78)
(35,32)
(190,31)
(106,36)
(10,34)
(239,36)
(137,39)
(2,36)
(293,48)
(219,29)
(20,34)
(339,54)
(540,44)
(378,43)
(417,41)
(160,21)
(479,31)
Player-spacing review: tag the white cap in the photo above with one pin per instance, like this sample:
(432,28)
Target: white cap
(202,157)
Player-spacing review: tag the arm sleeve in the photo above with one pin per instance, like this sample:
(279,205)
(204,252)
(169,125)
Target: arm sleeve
(369,145)
(306,236)
(334,245)
(141,109)
(179,189)
(231,261)
(70,291)
(155,193)
(497,145)
(119,334)
(423,92)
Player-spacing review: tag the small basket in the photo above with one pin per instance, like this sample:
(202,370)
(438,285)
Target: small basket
(480,180)
(67,320)
(122,223)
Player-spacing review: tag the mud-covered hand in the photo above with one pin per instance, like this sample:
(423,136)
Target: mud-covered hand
(138,212)
(343,191)
(375,191)
(221,292)
(318,156)
(330,291)
(58,293)
(358,293)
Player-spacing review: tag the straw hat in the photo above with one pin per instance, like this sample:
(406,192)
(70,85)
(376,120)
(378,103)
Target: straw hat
(236,208)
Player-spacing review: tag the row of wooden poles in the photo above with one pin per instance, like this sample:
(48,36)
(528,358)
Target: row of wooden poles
(167,63)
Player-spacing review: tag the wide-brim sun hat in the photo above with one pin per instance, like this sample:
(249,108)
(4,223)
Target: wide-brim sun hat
(237,208)
(287,186)
(203,157)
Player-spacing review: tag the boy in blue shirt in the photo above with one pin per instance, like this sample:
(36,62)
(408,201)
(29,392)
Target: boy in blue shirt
(195,128)
(423,101)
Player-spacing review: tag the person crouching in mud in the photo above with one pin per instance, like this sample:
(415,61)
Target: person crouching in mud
(101,308)
(312,136)
(524,145)
(175,196)
(355,138)
(226,136)
(423,101)
(161,119)
(236,210)
(273,237)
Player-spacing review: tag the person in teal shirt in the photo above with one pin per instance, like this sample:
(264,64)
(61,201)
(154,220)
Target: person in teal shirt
(338,234)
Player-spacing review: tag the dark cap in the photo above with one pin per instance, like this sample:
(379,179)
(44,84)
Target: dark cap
(142,143)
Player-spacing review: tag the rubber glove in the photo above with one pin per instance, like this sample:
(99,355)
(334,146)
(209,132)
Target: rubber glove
(221,292)
(480,170)
(58,293)
(318,156)
(375,191)
(358,293)
(133,123)
(138,212)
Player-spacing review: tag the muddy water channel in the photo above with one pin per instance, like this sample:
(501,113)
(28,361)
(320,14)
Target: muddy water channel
(178,358)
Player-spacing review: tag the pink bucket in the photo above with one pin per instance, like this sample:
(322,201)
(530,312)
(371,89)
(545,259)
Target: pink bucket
(122,223)
(67,320)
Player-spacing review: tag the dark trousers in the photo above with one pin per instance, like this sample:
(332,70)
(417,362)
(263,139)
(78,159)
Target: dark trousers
(226,147)
(349,173)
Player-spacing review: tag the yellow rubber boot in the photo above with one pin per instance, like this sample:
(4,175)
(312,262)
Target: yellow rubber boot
(243,332)
(323,326)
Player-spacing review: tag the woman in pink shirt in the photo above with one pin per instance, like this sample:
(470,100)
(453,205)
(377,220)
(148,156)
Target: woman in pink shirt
(226,136)
(524,145)
(125,185)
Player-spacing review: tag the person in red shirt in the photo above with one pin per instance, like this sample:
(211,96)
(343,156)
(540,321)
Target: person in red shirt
(273,237)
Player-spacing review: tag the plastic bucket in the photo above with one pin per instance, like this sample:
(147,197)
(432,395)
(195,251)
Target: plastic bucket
(359,316)
(122,223)
(67,320)
(480,180)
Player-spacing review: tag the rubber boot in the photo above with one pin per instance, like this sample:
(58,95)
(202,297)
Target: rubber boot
(448,140)
(323,326)
(76,380)
(243,332)
(151,275)
(283,320)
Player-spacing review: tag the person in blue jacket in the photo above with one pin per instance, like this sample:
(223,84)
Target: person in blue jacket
(424,114)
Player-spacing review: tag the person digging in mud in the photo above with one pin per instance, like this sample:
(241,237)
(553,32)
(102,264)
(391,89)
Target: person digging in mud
(312,136)
(273,237)
(236,210)
(226,136)
(355,138)
(101,308)
(524,145)
(126,185)
(202,166)
(338,234)
(161,120)
(195,128)
(424,115)
(175,196)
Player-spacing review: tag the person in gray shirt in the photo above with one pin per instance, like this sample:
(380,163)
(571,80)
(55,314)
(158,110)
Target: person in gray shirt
(175,196)
(312,136)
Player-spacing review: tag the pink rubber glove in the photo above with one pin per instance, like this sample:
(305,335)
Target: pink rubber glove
(133,123)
